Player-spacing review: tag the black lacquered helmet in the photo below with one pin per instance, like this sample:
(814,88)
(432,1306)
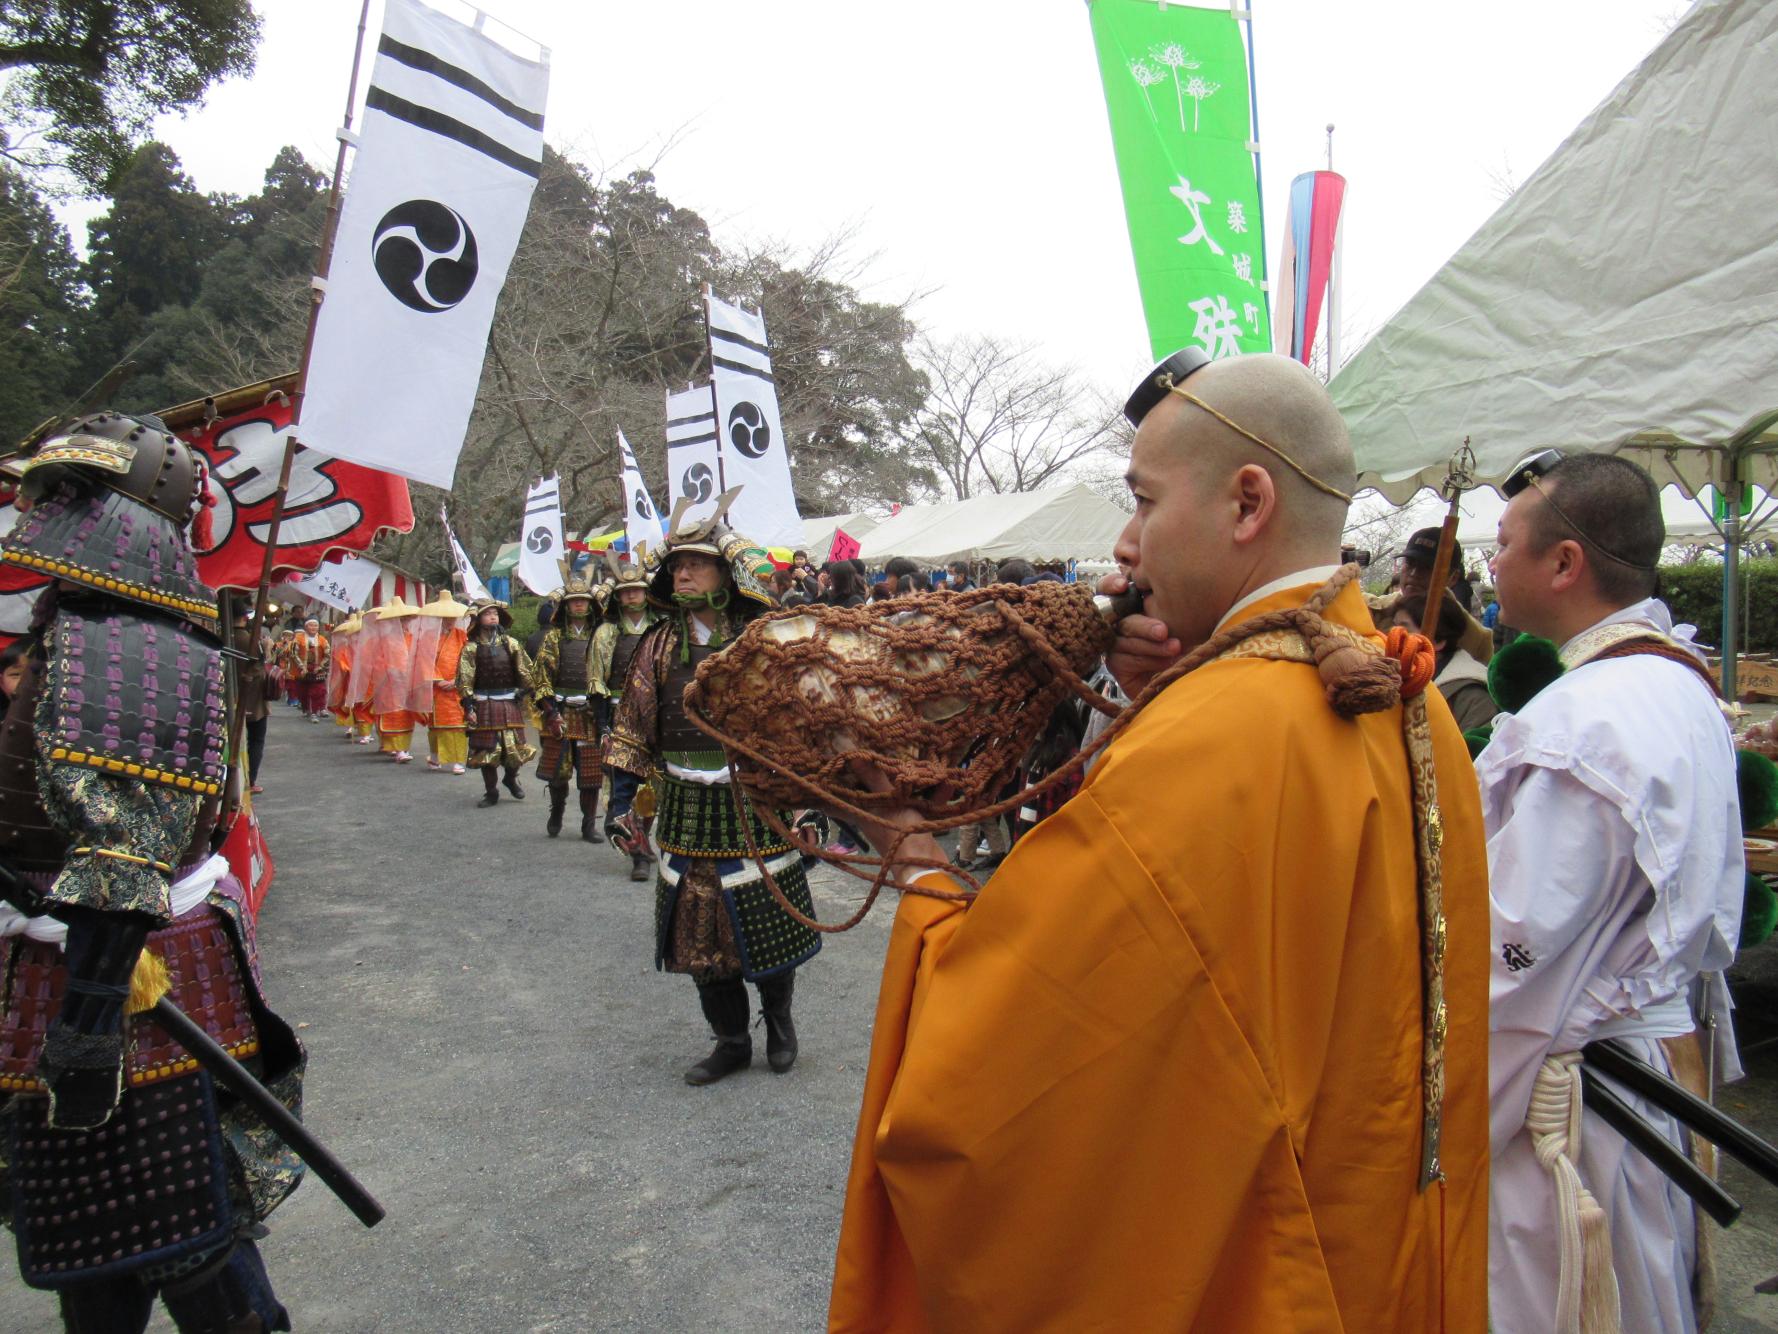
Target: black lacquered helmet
(112,501)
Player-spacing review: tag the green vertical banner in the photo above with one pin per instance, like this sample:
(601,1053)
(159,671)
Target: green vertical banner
(1176,90)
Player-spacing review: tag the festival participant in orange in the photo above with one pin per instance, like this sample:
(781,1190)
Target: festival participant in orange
(1179,1067)
(308,658)
(446,729)
(390,705)
(339,674)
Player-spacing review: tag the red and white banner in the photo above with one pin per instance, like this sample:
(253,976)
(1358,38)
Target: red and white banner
(332,505)
(249,859)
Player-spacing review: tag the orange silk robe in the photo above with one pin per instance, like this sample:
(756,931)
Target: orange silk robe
(339,684)
(1165,1074)
(447,704)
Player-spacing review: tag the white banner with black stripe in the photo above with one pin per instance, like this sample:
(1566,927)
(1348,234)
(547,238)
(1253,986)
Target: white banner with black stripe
(450,150)
(694,464)
(642,519)
(473,587)
(754,456)
(540,538)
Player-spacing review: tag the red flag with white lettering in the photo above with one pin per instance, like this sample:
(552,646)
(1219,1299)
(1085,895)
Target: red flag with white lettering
(332,505)
(844,547)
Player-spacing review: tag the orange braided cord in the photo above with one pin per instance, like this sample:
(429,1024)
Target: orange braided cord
(1415,654)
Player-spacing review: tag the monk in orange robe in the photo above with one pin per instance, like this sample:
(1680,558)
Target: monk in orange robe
(1166,1073)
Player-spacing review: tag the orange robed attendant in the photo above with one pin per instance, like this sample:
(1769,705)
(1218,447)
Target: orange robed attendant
(1166,1073)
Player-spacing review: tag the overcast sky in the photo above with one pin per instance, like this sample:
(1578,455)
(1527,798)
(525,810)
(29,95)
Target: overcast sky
(965,141)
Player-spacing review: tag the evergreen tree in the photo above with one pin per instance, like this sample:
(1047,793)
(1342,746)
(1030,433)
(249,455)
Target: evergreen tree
(40,310)
(147,252)
(91,75)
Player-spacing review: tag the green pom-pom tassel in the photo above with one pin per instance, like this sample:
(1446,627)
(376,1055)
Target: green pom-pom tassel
(1757,777)
(1759,911)
(1520,670)
(1477,738)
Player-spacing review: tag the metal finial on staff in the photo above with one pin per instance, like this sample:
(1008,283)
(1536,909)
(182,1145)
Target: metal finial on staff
(1459,477)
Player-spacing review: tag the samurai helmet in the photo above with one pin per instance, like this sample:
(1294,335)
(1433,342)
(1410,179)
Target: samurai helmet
(576,585)
(624,574)
(480,605)
(747,564)
(112,501)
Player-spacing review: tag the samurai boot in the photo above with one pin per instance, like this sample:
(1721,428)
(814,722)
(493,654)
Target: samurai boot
(774,1005)
(491,779)
(558,802)
(725,1006)
(641,866)
(512,783)
(589,814)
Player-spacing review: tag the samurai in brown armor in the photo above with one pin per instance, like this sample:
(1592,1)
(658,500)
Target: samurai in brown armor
(493,677)
(131,1174)
(627,617)
(569,701)
(715,919)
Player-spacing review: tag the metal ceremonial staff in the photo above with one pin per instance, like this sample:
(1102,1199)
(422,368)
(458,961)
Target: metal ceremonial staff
(1459,477)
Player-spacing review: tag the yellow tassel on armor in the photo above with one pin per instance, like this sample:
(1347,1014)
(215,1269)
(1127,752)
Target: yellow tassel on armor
(148,983)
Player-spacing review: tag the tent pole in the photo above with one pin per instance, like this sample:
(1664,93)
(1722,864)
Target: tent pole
(1731,569)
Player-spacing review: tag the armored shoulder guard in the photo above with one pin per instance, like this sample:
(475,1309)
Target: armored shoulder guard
(137,696)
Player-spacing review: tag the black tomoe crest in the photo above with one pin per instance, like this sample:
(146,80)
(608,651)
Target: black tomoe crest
(425,255)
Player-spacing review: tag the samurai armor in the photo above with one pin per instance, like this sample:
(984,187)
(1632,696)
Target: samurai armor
(147,1188)
(206,984)
(697,828)
(139,697)
(496,668)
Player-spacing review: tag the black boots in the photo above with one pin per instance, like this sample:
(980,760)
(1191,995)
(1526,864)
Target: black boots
(641,866)
(490,780)
(725,1006)
(589,811)
(558,802)
(774,1003)
(512,783)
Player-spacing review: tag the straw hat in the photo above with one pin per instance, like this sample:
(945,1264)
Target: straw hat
(395,609)
(445,606)
(350,626)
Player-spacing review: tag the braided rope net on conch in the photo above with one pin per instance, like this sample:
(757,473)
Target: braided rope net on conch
(941,693)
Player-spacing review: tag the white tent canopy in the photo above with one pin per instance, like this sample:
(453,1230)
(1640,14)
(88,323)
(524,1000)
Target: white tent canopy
(1687,523)
(1059,523)
(1625,297)
(818,533)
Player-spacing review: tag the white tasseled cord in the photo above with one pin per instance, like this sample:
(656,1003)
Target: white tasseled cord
(1586,1293)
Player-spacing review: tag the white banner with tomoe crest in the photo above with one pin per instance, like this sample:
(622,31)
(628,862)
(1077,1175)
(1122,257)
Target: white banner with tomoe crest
(694,464)
(449,153)
(540,538)
(642,520)
(754,456)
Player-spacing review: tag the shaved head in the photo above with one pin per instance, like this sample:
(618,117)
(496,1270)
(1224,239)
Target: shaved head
(1226,506)
(1280,401)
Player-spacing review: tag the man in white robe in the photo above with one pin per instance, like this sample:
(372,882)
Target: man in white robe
(1615,861)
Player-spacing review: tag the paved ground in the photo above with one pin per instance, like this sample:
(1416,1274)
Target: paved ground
(492,1053)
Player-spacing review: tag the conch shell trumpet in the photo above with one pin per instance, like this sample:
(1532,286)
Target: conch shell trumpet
(943,693)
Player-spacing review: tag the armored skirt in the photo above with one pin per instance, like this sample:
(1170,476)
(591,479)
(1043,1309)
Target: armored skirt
(576,753)
(498,736)
(714,916)
(182,1169)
